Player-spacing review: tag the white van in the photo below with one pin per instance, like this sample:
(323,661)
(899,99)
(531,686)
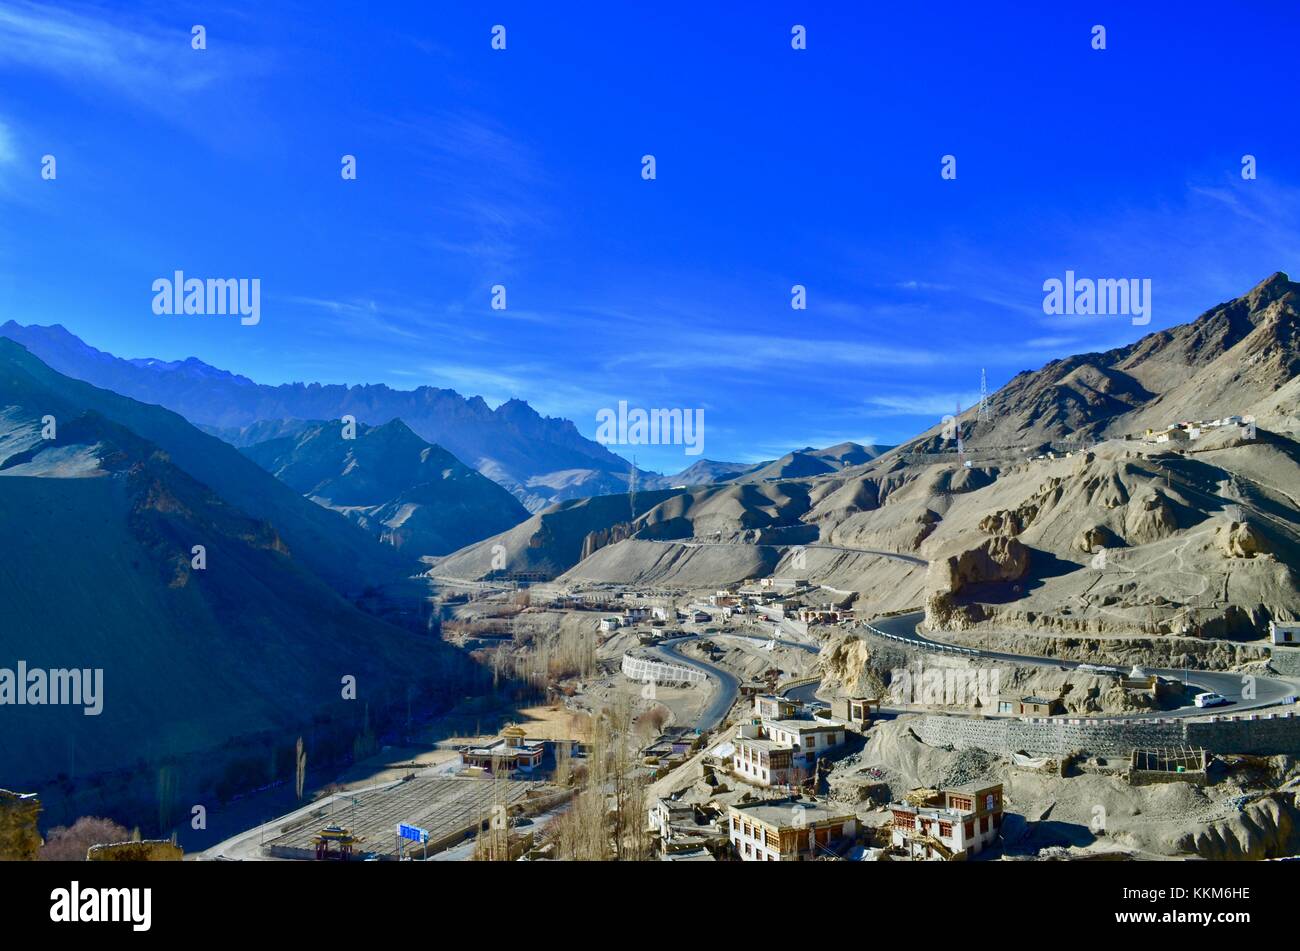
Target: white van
(1209,700)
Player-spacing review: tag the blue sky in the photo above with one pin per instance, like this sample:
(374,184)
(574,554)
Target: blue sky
(522,167)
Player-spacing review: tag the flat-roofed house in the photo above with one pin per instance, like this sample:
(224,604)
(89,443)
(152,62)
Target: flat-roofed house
(808,738)
(855,710)
(771,707)
(947,824)
(1031,706)
(789,830)
(1287,632)
(762,762)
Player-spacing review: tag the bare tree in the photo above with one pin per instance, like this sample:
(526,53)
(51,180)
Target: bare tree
(70,843)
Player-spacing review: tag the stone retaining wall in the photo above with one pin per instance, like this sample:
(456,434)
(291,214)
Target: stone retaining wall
(1258,734)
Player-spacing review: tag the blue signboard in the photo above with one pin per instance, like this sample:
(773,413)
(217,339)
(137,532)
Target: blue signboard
(414,833)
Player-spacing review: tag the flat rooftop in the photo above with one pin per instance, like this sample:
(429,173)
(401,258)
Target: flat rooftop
(781,812)
(797,726)
(761,744)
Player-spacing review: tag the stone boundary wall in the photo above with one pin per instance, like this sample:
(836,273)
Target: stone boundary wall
(1254,734)
(640,668)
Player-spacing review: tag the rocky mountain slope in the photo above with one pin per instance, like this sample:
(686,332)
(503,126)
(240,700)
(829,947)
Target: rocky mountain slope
(1128,538)
(336,551)
(801,462)
(1238,358)
(417,497)
(199,650)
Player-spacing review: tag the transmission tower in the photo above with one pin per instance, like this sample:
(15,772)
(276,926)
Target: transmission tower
(984,396)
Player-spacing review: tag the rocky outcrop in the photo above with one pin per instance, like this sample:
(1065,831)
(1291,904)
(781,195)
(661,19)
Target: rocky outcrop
(598,539)
(1264,829)
(925,526)
(1000,558)
(1094,537)
(20,840)
(852,666)
(1149,518)
(1241,540)
(1003,522)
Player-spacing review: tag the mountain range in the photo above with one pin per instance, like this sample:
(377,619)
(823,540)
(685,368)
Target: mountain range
(215,599)
(540,459)
(103,498)
(412,495)
(1199,535)
(1238,358)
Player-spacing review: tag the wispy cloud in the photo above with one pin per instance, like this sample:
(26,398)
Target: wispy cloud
(120,56)
(8,151)
(142,62)
(921,404)
(763,352)
(489,186)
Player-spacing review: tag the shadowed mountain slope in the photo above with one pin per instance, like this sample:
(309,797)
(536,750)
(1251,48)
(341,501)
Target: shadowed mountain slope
(414,496)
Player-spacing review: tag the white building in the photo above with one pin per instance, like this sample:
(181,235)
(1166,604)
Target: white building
(763,762)
(777,749)
(808,738)
(1287,632)
(608,624)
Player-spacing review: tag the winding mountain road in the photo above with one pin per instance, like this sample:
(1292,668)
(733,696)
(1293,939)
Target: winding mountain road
(1268,691)
(726,687)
